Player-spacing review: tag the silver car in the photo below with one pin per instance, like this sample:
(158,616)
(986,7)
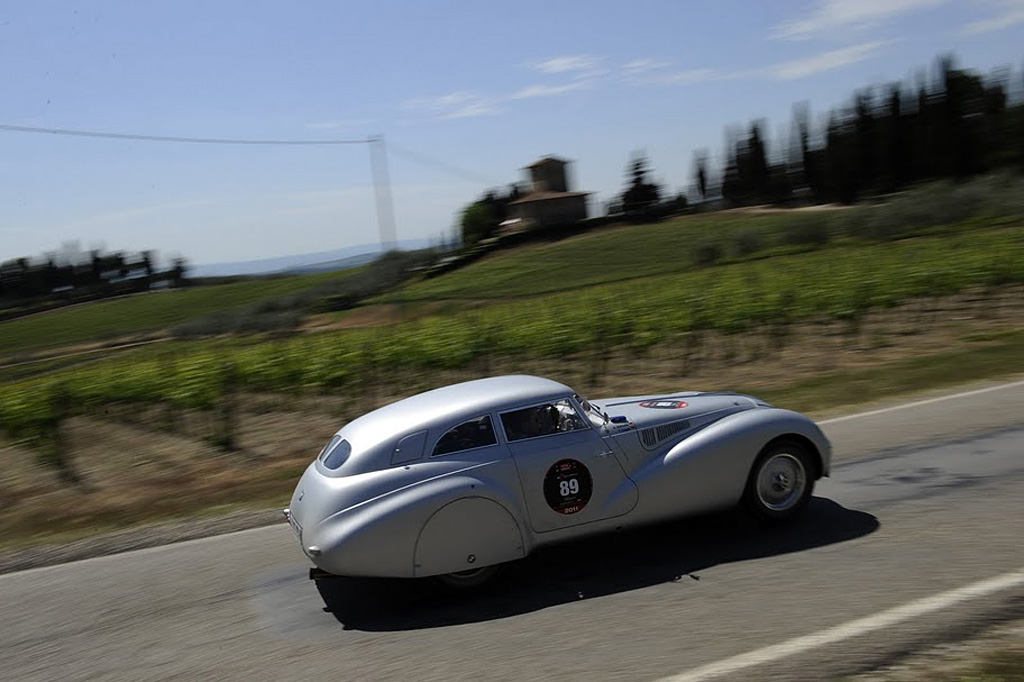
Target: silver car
(455,481)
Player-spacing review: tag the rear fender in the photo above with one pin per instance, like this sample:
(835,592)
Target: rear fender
(379,538)
(469,533)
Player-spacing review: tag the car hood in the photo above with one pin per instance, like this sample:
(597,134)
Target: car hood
(650,410)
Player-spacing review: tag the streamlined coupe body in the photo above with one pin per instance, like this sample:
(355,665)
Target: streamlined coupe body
(458,480)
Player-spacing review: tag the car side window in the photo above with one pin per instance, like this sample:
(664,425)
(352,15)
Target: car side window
(475,433)
(542,420)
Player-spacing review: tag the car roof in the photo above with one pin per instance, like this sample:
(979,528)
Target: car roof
(442,406)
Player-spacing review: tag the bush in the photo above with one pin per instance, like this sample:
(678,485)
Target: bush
(478,222)
(748,242)
(807,229)
(918,210)
(707,254)
(247,321)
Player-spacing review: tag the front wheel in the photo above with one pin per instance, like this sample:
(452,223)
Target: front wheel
(780,482)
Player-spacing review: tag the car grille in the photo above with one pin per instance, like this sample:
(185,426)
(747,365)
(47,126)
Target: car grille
(296,528)
(653,435)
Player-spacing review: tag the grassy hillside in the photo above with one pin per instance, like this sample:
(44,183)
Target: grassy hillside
(638,251)
(771,294)
(144,312)
(699,241)
(609,255)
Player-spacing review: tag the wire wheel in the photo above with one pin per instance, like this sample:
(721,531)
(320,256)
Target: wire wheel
(780,482)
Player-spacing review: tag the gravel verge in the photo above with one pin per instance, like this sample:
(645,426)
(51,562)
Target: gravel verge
(996,655)
(135,538)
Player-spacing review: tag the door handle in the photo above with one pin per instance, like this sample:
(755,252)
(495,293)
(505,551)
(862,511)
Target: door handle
(606,454)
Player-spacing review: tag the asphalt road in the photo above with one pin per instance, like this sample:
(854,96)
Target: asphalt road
(922,500)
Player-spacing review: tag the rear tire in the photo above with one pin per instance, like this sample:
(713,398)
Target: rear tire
(780,483)
(467,580)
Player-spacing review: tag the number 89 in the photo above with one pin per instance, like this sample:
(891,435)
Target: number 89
(570,487)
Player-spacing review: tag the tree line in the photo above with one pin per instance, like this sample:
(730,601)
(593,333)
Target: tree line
(95,275)
(956,126)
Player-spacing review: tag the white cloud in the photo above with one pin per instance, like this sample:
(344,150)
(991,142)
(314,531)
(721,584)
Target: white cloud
(827,61)
(689,77)
(788,70)
(465,104)
(452,99)
(531,91)
(830,17)
(458,104)
(1011,13)
(638,66)
(579,72)
(566,64)
(342,124)
(472,110)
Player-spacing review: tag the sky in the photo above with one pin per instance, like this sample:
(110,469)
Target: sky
(465,94)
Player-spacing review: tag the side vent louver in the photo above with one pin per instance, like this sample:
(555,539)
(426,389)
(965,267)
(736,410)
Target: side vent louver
(652,436)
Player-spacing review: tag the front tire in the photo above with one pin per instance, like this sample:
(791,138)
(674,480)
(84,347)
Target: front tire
(780,482)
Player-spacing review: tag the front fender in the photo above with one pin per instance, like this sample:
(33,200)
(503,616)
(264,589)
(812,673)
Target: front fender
(709,469)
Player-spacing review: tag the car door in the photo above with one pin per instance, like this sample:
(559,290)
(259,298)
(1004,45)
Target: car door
(569,474)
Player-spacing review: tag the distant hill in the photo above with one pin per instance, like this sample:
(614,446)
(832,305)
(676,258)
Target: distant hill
(332,265)
(320,261)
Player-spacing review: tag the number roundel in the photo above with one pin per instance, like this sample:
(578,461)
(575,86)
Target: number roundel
(568,486)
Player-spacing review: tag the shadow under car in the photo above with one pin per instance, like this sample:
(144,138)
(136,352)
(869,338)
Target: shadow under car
(589,568)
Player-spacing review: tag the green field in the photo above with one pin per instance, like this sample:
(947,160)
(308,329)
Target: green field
(773,293)
(144,312)
(622,253)
(635,252)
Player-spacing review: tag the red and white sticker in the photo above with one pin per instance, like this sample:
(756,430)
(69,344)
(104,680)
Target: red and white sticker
(664,404)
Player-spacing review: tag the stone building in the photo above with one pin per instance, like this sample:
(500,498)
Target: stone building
(549,201)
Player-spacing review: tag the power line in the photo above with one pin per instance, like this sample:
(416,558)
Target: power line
(447,167)
(170,138)
(378,161)
(72,132)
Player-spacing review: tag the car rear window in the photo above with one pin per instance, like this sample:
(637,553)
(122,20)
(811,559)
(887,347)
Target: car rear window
(335,452)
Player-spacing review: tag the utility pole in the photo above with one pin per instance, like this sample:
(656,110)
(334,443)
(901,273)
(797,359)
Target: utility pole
(382,188)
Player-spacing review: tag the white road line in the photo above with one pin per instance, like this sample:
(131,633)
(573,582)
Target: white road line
(853,628)
(918,403)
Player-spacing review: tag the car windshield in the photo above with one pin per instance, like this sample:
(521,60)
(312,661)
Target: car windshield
(594,412)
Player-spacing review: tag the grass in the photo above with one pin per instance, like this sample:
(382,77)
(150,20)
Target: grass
(626,293)
(144,312)
(840,283)
(998,666)
(997,355)
(1002,355)
(988,658)
(612,255)
(260,497)
(637,252)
